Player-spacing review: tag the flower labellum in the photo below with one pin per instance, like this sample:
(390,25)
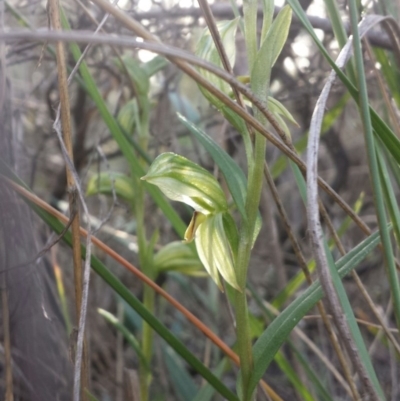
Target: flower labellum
(214,251)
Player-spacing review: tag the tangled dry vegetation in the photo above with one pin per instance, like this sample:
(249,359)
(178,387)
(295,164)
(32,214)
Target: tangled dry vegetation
(41,306)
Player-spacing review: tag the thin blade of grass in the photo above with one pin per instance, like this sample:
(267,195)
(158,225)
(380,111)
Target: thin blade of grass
(181,381)
(129,337)
(391,205)
(292,376)
(207,392)
(312,375)
(351,320)
(373,163)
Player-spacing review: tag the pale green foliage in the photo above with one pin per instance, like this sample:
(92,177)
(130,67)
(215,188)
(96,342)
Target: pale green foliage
(178,257)
(206,50)
(128,115)
(269,51)
(279,111)
(268,8)
(184,181)
(105,182)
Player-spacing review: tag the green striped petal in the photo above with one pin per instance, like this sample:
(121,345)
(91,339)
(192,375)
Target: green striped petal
(184,181)
(215,251)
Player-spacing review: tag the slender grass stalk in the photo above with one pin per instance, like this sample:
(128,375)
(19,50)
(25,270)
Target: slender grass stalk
(373,163)
(255,182)
(148,293)
(246,242)
(141,115)
(340,32)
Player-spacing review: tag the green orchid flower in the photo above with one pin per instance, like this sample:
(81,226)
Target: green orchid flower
(211,226)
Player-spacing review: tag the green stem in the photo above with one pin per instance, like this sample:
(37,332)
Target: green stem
(246,242)
(243,342)
(147,345)
(145,261)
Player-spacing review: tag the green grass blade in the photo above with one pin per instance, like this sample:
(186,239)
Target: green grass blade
(340,32)
(391,74)
(291,374)
(279,357)
(129,337)
(318,385)
(181,381)
(373,163)
(300,181)
(207,392)
(311,374)
(351,320)
(91,396)
(337,23)
(394,213)
(277,332)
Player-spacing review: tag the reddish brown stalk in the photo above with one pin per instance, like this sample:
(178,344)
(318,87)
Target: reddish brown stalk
(54,18)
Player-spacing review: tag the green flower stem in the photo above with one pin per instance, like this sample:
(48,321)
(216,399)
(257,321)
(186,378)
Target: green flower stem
(246,241)
(243,342)
(147,345)
(145,259)
(255,180)
(148,293)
